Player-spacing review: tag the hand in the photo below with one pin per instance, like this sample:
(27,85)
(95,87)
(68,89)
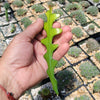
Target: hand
(22,64)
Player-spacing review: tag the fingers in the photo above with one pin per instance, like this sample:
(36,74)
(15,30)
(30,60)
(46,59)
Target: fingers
(61,51)
(43,35)
(55,25)
(64,30)
(65,36)
(62,41)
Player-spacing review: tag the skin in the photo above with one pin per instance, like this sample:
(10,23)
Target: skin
(23,65)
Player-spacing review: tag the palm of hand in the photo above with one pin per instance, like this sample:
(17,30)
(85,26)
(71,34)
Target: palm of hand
(23,60)
(28,63)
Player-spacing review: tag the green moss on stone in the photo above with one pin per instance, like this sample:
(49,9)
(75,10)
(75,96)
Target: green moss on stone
(67,21)
(21,12)
(6,5)
(97,56)
(74,0)
(92,10)
(50,3)
(88,70)
(96,1)
(13,28)
(77,31)
(65,78)
(38,8)
(45,93)
(73,6)
(92,45)
(43,16)
(85,4)
(58,11)
(92,27)
(26,22)
(18,3)
(96,87)
(79,16)
(74,51)
(60,63)
(61,1)
(29,1)
(83,97)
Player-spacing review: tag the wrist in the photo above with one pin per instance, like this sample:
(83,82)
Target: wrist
(9,83)
(3,96)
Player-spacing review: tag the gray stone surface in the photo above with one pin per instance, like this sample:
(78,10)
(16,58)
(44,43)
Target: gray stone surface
(3,9)
(7,30)
(4,22)
(3,46)
(8,40)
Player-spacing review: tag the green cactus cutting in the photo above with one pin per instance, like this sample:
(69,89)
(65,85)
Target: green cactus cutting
(48,42)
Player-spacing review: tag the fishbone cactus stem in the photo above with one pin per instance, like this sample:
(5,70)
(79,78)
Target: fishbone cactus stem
(48,42)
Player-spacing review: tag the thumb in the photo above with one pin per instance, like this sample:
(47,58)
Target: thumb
(33,29)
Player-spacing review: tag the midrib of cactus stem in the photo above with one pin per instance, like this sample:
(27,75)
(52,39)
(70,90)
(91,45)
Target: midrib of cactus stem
(50,52)
(51,32)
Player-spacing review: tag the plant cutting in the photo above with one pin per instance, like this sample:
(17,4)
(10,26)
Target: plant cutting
(91,27)
(79,16)
(82,97)
(61,1)
(58,11)
(77,31)
(7,6)
(74,51)
(26,21)
(92,45)
(45,93)
(88,70)
(85,4)
(18,3)
(74,0)
(97,56)
(96,87)
(29,1)
(51,32)
(92,10)
(0,6)
(13,28)
(38,8)
(67,21)
(43,16)
(75,54)
(73,7)
(50,3)
(66,78)
(60,63)
(21,12)
(96,1)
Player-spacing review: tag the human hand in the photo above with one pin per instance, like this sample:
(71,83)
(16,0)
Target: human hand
(22,64)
